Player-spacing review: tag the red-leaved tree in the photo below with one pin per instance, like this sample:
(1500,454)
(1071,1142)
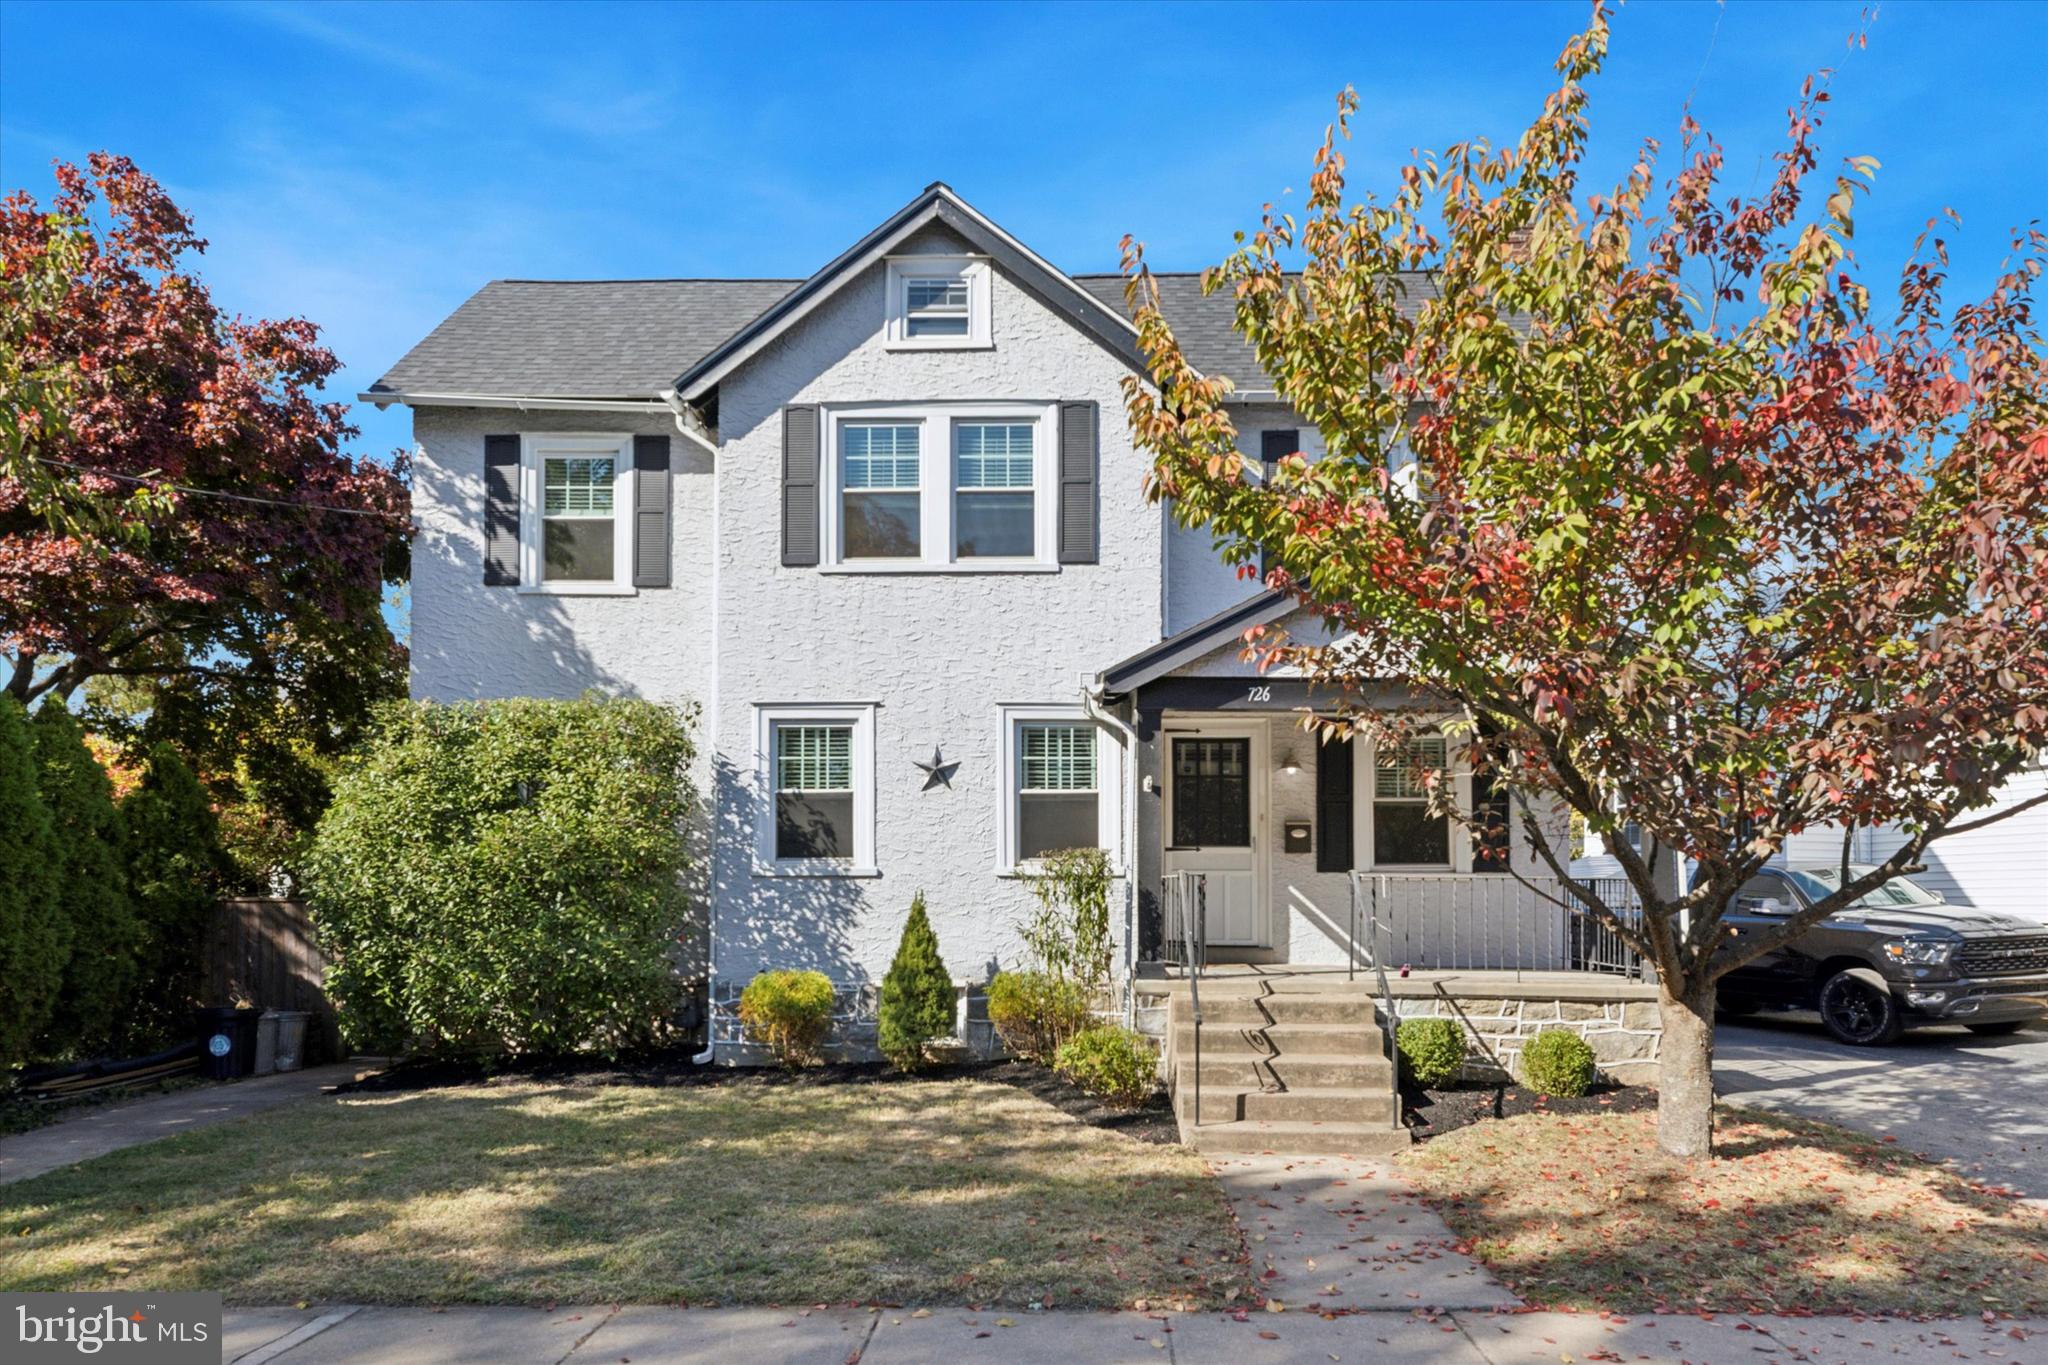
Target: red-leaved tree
(1696,535)
(176,508)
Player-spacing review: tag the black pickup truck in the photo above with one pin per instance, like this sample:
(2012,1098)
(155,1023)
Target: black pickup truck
(1900,957)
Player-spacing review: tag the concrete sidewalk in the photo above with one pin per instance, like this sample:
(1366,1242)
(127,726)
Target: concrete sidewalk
(672,1336)
(99,1131)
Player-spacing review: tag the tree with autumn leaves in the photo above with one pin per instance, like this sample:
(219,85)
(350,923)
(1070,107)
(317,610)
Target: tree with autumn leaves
(1652,504)
(182,534)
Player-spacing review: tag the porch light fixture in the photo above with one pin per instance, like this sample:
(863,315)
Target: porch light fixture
(1289,763)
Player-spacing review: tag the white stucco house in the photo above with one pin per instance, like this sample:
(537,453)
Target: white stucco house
(886,526)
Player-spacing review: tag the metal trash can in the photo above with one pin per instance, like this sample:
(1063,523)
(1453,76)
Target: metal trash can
(227,1042)
(266,1044)
(291,1038)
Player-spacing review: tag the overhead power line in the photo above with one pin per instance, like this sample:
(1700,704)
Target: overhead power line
(217,493)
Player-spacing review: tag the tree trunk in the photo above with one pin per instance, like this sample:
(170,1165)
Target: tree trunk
(1685,1069)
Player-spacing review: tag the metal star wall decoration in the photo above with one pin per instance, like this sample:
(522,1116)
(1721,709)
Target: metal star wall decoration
(938,772)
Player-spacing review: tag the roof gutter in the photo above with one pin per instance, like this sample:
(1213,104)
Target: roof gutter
(689,421)
(385,398)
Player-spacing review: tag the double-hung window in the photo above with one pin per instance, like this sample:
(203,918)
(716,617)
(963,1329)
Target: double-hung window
(880,467)
(1404,833)
(576,531)
(994,474)
(938,302)
(817,774)
(931,487)
(1057,770)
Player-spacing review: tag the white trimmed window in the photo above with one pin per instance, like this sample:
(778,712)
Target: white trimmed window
(938,302)
(994,475)
(816,769)
(965,487)
(1058,771)
(880,470)
(1404,833)
(575,522)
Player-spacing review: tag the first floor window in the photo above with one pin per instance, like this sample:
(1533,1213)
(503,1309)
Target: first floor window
(880,476)
(994,471)
(1404,833)
(813,767)
(1058,804)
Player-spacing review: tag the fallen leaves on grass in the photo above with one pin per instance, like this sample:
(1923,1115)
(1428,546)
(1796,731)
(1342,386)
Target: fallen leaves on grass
(1790,1217)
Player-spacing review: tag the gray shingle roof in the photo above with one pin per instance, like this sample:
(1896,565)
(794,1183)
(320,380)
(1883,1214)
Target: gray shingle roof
(579,338)
(1202,324)
(631,338)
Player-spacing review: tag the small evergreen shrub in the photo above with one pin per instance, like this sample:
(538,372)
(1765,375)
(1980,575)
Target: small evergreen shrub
(92,890)
(505,877)
(1558,1062)
(1432,1049)
(1035,1012)
(917,994)
(791,1012)
(1113,1064)
(35,940)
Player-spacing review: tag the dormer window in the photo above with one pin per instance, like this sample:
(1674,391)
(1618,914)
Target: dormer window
(938,302)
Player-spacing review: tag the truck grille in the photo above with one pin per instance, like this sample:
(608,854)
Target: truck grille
(2004,956)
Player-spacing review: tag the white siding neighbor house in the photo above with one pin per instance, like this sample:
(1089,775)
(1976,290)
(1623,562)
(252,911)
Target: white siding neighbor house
(885,527)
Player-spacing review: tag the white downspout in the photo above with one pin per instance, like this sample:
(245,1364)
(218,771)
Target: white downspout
(1091,703)
(683,413)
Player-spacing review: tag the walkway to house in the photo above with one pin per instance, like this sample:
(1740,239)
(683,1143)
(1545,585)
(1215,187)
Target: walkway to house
(1342,1234)
(669,1336)
(99,1131)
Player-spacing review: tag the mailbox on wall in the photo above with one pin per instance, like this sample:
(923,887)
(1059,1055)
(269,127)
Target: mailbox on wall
(1297,838)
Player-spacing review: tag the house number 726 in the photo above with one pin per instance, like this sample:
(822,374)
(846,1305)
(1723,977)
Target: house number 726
(1258,694)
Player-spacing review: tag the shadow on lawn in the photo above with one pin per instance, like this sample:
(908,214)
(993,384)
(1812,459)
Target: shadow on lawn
(529,1192)
(1790,1215)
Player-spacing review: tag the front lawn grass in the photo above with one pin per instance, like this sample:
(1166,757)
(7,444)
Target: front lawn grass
(1792,1216)
(944,1192)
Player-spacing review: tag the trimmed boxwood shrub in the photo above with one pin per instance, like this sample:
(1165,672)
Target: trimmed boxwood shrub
(917,994)
(790,1011)
(1035,1012)
(1558,1062)
(1113,1064)
(1432,1049)
(506,876)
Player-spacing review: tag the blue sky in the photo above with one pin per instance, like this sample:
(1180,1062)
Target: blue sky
(370,166)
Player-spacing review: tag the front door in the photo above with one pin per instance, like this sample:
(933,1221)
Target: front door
(1213,807)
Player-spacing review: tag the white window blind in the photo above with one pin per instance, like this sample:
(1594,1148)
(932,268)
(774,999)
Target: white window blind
(578,486)
(879,456)
(814,757)
(1059,758)
(993,456)
(1401,780)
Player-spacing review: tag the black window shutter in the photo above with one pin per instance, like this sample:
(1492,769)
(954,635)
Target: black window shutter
(1274,446)
(501,511)
(800,461)
(1080,501)
(650,511)
(1333,806)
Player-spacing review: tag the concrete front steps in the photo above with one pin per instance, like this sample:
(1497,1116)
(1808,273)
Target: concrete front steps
(1293,1066)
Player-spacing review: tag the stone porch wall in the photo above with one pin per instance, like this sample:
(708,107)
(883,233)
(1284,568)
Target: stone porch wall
(1623,1032)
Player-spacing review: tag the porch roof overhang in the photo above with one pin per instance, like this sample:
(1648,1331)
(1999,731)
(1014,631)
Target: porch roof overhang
(1197,641)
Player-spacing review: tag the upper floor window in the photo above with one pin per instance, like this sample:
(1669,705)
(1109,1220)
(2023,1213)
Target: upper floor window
(938,302)
(575,533)
(923,487)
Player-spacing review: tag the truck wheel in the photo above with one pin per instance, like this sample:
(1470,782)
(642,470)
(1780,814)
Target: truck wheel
(1856,1006)
(1997,1030)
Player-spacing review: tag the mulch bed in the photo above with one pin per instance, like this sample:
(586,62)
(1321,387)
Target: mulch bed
(1152,1123)
(1432,1113)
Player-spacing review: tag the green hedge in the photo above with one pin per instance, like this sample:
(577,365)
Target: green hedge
(1111,1063)
(505,876)
(1558,1062)
(1035,1012)
(1433,1049)
(35,939)
(790,1011)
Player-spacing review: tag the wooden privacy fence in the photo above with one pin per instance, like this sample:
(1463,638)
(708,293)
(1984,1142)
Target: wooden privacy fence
(260,950)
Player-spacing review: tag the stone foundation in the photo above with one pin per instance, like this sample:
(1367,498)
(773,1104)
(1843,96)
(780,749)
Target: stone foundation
(1623,1033)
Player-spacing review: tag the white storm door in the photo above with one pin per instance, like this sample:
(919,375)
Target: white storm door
(1213,803)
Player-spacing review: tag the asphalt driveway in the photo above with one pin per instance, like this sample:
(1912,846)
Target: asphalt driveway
(1974,1102)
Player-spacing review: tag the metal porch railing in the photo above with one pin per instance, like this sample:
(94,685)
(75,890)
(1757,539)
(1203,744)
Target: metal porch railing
(1183,903)
(1447,922)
